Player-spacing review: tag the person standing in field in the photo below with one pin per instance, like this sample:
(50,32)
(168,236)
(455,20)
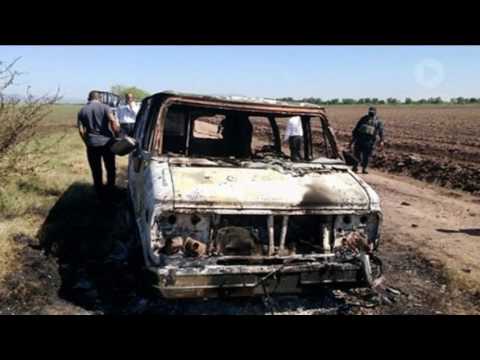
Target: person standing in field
(98,127)
(294,137)
(127,114)
(364,138)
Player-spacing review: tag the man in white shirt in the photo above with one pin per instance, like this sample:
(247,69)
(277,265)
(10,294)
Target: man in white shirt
(294,136)
(127,114)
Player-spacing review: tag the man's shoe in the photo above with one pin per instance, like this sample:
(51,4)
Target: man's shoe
(364,171)
(355,170)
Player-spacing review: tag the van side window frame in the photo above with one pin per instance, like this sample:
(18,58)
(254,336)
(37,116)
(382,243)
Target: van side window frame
(150,124)
(138,131)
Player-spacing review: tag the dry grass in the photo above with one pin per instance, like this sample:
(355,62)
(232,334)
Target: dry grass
(7,251)
(25,201)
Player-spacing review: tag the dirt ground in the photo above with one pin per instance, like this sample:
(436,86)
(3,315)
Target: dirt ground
(76,264)
(430,238)
(429,249)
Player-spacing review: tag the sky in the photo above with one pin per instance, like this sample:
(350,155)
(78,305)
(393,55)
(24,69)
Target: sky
(261,71)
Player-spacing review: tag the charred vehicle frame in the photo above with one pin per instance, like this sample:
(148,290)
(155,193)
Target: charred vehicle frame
(215,218)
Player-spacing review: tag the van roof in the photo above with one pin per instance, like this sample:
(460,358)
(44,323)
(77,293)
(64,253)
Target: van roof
(253,104)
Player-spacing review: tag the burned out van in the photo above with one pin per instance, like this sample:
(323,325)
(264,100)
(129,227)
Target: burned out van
(228,213)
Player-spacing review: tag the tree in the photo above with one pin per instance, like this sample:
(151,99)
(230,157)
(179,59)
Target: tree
(20,119)
(374,101)
(122,90)
(289,99)
(311,100)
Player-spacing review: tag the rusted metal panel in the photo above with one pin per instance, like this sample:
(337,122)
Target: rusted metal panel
(162,189)
(232,188)
(242,100)
(252,280)
(255,108)
(307,135)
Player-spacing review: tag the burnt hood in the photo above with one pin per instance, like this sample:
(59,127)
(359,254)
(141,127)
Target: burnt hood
(233,188)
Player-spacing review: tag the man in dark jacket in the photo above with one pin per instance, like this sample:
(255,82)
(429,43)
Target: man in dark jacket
(97,127)
(364,138)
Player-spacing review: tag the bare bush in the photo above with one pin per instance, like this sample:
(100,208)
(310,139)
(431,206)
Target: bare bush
(20,119)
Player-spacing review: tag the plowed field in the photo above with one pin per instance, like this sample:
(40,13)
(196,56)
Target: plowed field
(439,144)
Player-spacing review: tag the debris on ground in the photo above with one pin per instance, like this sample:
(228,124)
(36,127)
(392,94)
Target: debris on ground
(393,291)
(81,279)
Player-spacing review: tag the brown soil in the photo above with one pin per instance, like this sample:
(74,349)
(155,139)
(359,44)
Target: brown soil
(435,144)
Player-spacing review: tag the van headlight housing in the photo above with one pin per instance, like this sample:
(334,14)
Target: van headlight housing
(368,224)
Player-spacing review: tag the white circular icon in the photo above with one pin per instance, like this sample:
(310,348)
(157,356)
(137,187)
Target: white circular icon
(429,73)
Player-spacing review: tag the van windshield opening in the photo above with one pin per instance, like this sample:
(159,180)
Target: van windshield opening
(220,133)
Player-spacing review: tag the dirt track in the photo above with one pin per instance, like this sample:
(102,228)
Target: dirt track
(440,228)
(443,224)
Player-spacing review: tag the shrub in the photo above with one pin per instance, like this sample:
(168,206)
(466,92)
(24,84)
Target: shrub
(20,118)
